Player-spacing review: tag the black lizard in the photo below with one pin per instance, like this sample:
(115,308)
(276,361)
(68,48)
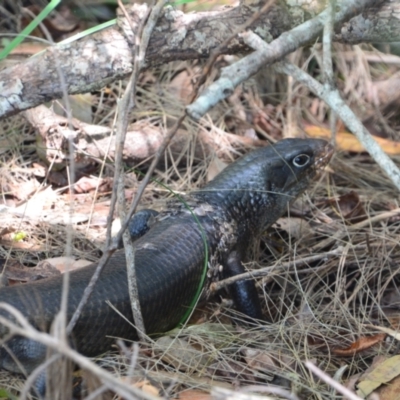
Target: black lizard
(233,209)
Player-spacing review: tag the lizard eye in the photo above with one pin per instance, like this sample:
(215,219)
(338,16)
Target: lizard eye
(301,160)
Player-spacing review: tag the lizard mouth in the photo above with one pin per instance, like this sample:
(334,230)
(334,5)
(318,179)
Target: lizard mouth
(323,156)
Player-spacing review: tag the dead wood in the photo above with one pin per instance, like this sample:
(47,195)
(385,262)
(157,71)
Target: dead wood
(94,143)
(93,62)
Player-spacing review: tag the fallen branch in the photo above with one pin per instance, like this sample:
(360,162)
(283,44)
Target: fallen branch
(93,62)
(237,73)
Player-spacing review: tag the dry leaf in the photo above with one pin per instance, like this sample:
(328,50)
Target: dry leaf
(16,273)
(259,359)
(350,207)
(214,168)
(381,374)
(390,391)
(62,263)
(360,345)
(181,86)
(89,184)
(148,388)
(297,228)
(80,106)
(348,142)
(193,394)
(180,354)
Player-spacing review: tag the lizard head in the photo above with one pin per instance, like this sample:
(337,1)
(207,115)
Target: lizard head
(292,164)
(258,188)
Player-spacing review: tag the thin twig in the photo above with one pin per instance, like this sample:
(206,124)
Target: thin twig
(142,39)
(122,123)
(61,319)
(356,227)
(32,378)
(147,177)
(334,100)
(242,70)
(218,51)
(327,64)
(331,382)
(327,46)
(270,389)
(176,126)
(174,129)
(23,328)
(265,271)
(70,170)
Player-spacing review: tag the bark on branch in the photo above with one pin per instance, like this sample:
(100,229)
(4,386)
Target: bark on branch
(91,63)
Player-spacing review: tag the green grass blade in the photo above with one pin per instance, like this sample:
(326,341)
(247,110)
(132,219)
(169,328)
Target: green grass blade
(33,24)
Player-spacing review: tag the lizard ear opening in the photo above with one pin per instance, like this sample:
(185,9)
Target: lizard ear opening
(301,160)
